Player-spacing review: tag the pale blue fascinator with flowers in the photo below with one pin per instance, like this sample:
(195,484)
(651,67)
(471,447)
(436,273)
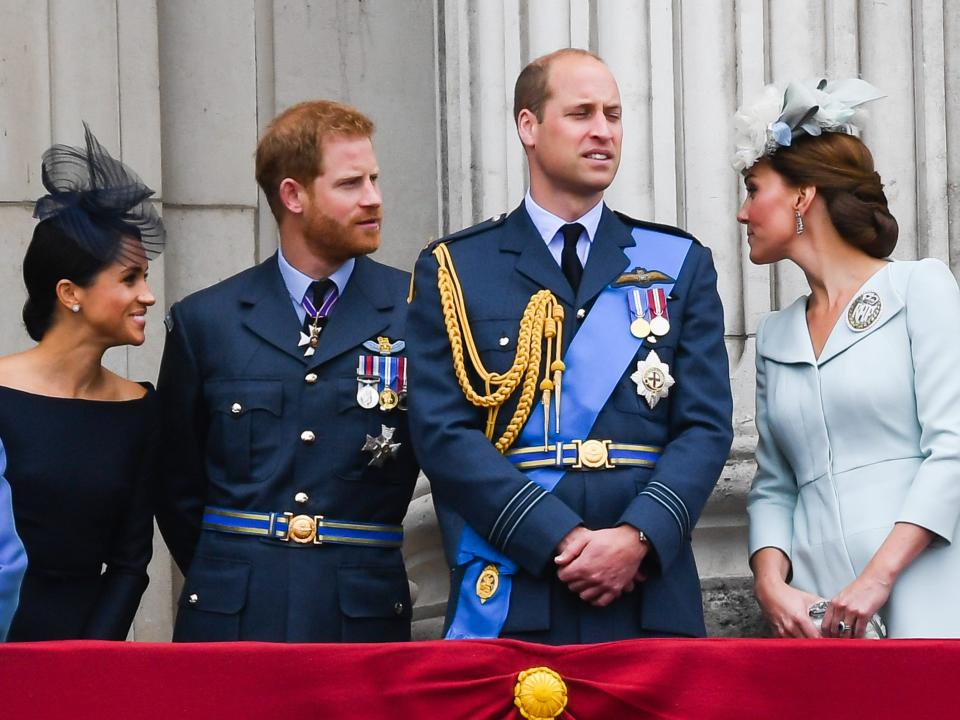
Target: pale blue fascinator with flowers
(779,116)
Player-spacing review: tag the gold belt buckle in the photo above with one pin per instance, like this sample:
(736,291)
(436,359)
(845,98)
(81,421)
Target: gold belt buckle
(592,454)
(302,529)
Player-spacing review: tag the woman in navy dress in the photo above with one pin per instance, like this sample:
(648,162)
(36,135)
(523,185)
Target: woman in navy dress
(79,439)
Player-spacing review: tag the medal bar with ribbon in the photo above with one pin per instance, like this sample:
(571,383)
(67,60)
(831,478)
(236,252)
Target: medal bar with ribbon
(637,303)
(388,394)
(368,383)
(381,380)
(659,317)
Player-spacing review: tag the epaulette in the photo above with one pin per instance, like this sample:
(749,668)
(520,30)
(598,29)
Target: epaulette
(658,227)
(493,222)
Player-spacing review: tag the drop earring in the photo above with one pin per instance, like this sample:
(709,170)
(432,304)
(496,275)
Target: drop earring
(75,307)
(800,227)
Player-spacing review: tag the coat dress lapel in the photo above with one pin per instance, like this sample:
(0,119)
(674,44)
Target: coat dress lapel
(786,337)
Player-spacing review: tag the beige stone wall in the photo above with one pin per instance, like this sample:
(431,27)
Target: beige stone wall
(180,89)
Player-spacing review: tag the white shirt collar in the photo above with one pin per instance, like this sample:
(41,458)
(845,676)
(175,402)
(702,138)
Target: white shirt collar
(297,282)
(548,224)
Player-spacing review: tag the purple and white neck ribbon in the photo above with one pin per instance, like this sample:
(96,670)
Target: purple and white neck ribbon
(329,300)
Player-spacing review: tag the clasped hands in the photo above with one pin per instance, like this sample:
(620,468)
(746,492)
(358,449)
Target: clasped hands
(786,608)
(601,565)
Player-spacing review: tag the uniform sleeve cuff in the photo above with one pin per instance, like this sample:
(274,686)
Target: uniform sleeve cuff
(531,540)
(662,522)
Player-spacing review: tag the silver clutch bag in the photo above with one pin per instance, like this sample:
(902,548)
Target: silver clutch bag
(876,630)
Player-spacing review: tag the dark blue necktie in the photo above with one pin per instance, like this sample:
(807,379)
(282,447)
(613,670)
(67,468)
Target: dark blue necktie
(569,260)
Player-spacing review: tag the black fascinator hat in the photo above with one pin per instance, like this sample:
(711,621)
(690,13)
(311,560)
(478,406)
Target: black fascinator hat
(97,200)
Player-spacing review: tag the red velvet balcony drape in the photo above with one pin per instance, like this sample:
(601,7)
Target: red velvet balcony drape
(675,679)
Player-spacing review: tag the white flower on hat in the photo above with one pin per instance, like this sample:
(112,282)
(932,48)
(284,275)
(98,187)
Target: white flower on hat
(780,115)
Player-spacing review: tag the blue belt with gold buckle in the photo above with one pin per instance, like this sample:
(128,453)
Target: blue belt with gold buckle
(585,455)
(302,529)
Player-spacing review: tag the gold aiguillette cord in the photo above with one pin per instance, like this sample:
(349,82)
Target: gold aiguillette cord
(542,320)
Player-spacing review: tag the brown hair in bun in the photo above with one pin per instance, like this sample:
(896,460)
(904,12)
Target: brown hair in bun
(841,168)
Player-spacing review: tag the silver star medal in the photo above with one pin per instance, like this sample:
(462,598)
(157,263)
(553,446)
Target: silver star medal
(380,447)
(653,379)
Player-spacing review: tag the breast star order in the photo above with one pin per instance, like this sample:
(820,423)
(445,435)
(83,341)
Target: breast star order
(653,379)
(380,447)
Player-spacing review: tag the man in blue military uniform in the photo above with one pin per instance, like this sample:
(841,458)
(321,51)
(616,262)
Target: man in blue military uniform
(288,466)
(570,394)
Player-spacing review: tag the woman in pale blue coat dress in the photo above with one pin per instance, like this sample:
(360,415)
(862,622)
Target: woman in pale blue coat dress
(857,493)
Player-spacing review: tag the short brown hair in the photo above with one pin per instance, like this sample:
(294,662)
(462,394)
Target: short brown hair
(292,145)
(532,89)
(841,168)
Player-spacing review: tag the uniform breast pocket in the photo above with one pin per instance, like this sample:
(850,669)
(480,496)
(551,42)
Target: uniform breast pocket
(246,426)
(496,341)
(365,433)
(648,377)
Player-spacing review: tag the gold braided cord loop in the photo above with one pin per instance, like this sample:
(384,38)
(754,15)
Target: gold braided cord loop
(540,321)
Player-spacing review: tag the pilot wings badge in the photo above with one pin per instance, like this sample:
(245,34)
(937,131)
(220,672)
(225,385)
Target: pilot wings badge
(642,277)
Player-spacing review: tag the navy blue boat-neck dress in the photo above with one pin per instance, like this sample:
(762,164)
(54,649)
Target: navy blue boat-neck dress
(80,477)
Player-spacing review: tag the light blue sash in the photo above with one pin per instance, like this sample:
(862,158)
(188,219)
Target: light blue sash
(588,381)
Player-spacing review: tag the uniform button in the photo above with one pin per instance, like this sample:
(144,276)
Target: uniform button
(236,408)
(581,314)
(308,437)
(311,378)
(398,608)
(193,599)
(301,497)
(504,341)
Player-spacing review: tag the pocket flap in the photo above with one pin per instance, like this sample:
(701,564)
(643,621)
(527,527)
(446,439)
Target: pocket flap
(496,334)
(238,397)
(216,585)
(532,614)
(373,592)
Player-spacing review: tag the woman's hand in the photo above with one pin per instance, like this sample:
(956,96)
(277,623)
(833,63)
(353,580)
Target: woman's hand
(786,608)
(854,606)
(858,601)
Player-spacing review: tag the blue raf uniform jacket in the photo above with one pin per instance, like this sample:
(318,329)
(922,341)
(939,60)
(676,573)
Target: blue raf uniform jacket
(253,425)
(501,264)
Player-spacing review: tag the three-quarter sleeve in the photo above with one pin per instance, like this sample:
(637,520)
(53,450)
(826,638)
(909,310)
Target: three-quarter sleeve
(773,494)
(933,317)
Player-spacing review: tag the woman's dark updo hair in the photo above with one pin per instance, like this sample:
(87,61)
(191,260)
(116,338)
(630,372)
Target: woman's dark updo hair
(52,256)
(841,168)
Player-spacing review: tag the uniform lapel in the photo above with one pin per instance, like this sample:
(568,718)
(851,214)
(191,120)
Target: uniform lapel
(521,236)
(361,313)
(606,260)
(266,308)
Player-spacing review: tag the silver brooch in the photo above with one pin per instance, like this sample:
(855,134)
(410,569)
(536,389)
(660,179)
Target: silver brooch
(864,311)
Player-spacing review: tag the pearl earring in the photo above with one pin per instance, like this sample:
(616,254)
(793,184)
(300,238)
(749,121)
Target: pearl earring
(800,227)
(75,307)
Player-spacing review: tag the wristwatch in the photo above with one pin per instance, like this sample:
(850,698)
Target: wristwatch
(642,537)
